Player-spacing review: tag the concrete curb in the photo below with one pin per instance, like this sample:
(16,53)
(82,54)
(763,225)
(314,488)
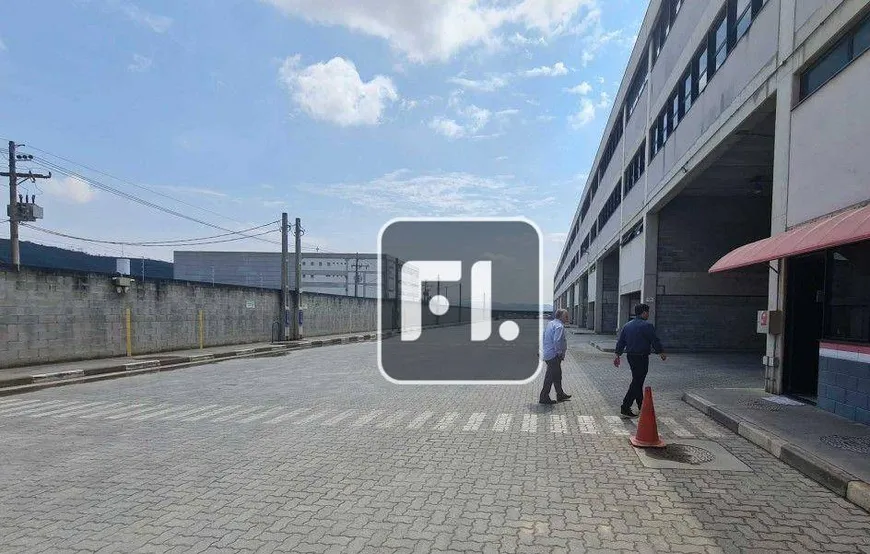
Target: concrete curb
(826,474)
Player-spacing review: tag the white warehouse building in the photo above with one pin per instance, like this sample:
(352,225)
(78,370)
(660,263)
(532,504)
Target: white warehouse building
(731,193)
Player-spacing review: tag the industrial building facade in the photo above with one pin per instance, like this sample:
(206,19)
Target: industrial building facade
(338,274)
(731,193)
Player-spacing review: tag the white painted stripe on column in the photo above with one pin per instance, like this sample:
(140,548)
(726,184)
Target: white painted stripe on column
(158,413)
(587,425)
(530,423)
(288,415)
(368,418)
(232,415)
(446,422)
(339,418)
(705,427)
(391,420)
(211,413)
(474,422)
(30,408)
(313,417)
(502,422)
(82,411)
(261,415)
(618,425)
(76,406)
(678,429)
(558,424)
(189,412)
(137,411)
(418,421)
(120,409)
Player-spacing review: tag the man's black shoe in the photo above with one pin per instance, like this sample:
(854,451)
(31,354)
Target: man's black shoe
(563,398)
(547,401)
(627,412)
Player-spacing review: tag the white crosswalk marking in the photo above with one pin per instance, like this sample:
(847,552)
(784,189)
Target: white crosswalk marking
(558,424)
(52,411)
(68,410)
(368,418)
(26,408)
(678,429)
(313,417)
(230,416)
(339,418)
(17,402)
(158,413)
(261,415)
(587,425)
(618,425)
(44,408)
(446,422)
(212,413)
(705,427)
(418,421)
(502,422)
(391,420)
(78,412)
(530,423)
(110,411)
(288,415)
(136,412)
(190,412)
(474,422)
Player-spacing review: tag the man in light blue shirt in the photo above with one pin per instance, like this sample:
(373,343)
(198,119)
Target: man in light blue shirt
(555,346)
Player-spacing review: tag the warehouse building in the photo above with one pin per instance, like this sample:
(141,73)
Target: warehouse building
(730,192)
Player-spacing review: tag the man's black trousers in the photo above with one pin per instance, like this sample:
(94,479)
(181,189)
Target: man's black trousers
(639,364)
(553,377)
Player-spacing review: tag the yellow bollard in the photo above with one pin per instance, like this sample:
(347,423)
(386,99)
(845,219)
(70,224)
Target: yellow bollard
(129,333)
(201,330)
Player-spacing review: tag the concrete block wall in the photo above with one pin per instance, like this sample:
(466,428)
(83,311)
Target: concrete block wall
(844,381)
(57,315)
(696,310)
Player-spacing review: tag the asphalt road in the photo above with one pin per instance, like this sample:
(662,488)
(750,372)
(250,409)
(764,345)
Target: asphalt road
(315,452)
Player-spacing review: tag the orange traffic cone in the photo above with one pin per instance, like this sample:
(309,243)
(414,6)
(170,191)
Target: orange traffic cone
(647,430)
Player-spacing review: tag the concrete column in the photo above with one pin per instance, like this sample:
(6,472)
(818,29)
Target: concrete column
(599,296)
(785,93)
(649,285)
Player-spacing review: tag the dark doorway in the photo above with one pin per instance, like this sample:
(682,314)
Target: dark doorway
(804,324)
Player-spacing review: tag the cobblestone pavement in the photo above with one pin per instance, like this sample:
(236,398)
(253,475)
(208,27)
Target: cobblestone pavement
(315,452)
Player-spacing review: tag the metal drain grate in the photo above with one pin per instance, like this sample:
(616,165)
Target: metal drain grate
(759,405)
(861,445)
(682,453)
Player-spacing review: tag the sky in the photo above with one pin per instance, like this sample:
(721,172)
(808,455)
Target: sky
(345,113)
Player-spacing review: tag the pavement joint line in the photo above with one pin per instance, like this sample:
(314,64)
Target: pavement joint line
(826,474)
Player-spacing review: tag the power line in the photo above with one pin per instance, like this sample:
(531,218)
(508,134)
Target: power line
(146,244)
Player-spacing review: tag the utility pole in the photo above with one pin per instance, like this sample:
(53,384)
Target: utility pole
(356,277)
(296,323)
(29,211)
(285,276)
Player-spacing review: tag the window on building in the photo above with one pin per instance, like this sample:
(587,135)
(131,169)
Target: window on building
(701,64)
(855,43)
(848,316)
(687,91)
(675,109)
(744,17)
(720,44)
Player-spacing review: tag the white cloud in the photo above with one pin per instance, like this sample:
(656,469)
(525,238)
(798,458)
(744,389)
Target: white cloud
(588,110)
(490,84)
(521,40)
(545,117)
(558,238)
(157,23)
(69,189)
(140,64)
(334,91)
(501,158)
(447,127)
(582,89)
(507,113)
(2,45)
(441,194)
(555,70)
(474,120)
(426,30)
(195,191)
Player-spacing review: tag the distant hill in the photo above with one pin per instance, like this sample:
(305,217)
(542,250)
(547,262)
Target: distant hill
(51,257)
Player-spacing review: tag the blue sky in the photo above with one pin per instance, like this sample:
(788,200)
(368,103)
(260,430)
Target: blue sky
(345,113)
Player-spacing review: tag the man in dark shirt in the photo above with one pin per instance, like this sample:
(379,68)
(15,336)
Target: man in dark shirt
(636,339)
